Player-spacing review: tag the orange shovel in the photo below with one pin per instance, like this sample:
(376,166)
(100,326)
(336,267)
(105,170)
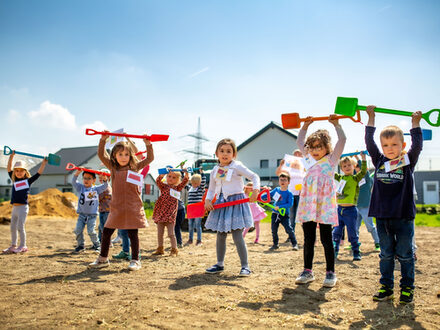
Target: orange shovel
(292,120)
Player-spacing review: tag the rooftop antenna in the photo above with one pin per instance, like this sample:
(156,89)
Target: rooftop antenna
(199,139)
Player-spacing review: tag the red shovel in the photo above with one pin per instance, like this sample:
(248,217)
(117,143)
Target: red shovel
(71,167)
(197,210)
(152,138)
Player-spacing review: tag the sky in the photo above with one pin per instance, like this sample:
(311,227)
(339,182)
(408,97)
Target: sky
(155,67)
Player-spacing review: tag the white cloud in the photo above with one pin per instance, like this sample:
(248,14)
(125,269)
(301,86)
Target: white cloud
(53,115)
(96,125)
(13,116)
(199,72)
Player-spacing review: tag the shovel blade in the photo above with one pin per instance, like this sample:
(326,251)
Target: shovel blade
(346,106)
(196,210)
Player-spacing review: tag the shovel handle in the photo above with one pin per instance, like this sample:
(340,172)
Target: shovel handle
(71,167)
(425,115)
(8,151)
(152,138)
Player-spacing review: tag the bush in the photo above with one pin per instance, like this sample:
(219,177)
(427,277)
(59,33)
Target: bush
(428,208)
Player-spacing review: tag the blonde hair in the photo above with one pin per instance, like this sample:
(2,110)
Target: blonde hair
(347,159)
(179,176)
(123,145)
(390,131)
(323,137)
(227,141)
(27,175)
(196,178)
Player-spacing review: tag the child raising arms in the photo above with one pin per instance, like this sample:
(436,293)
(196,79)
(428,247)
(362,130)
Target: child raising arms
(165,208)
(317,202)
(22,181)
(126,207)
(226,182)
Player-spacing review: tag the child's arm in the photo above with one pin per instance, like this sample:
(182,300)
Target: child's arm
(42,166)
(359,176)
(244,171)
(278,170)
(339,147)
(10,160)
(150,155)
(211,191)
(372,148)
(416,139)
(75,182)
(102,187)
(102,153)
(182,185)
(302,134)
(159,182)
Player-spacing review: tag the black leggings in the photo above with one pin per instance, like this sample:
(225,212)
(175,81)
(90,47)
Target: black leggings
(132,235)
(325,231)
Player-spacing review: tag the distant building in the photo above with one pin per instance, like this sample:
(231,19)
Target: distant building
(427,186)
(264,150)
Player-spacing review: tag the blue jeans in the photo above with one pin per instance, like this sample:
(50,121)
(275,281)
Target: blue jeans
(177,228)
(90,221)
(395,237)
(277,219)
(293,210)
(102,219)
(123,233)
(197,224)
(347,216)
(363,215)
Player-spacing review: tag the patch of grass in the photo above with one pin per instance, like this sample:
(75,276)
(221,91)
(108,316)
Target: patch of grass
(427,220)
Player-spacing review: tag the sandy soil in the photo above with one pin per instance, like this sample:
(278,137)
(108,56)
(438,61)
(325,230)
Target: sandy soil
(50,287)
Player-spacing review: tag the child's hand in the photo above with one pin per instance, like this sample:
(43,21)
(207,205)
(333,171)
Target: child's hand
(253,197)
(282,161)
(104,136)
(45,160)
(276,208)
(147,142)
(77,172)
(333,119)
(416,117)
(371,115)
(208,205)
(363,156)
(307,122)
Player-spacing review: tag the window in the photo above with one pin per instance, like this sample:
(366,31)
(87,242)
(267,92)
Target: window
(278,162)
(431,187)
(264,163)
(148,189)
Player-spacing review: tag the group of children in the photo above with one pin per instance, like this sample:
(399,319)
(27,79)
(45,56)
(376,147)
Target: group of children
(320,202)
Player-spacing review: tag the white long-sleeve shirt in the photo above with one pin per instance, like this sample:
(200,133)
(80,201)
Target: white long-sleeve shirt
(230,182)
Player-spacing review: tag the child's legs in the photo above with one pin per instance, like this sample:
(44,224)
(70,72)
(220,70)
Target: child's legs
(21,220)
(350,219)
(387,251)
(80,224)
(123,234)
(293,211)
(102,219)
(245,231)
(285,221)
(257,230)
(191,229)
(221,247)
(106,238)
(177,226)
(325,232)
(309,229)
(171,231)
(337,233)
(404,231)
(241,247)
(91,223)
(134,240)
(198,224)
(274,226)
(14,224)
(160,231)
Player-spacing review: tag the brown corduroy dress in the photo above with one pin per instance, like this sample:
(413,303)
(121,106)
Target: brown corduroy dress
(126,207)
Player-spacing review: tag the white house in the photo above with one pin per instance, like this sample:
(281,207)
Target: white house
(263,151)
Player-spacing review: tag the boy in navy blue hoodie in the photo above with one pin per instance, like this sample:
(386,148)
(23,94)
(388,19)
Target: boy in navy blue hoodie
(392,203)
(283,200)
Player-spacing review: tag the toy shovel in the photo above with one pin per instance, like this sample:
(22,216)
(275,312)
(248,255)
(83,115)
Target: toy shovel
(427,134)
(197,210)
(282,210)
(168,169)
(365,152)
(152,138)
(349,105)
(292,120)
(52,159)
(71,167)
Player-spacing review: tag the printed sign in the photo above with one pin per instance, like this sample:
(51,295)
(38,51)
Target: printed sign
(221,173)
(276,197)
(308,161)
(362,182)
(340,187)
(229,174)
(291,163)
(135,178)
(90,196)
(394,164)
(20,185)
(112,140)
(175,193)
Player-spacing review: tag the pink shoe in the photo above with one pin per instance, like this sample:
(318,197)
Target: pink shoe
(9,250)
(256,241)
(21,249)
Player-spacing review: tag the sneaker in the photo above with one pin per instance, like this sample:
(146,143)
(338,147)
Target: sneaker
(244,272)
(384,293)
(134,265)
(287,240)
(21,249)
(305,277)
(79,249)
(274,247)
(199,243)
(406,295)
(9,250)
(116,240)
(356,256)
(295,247)
(121,255)
(256,241)
(330,280)
(215,269)
(377,247)
(189,242)
(180,246)
(348,247)
(99,263)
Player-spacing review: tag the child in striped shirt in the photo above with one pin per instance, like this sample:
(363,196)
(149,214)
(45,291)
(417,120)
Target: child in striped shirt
(195,195)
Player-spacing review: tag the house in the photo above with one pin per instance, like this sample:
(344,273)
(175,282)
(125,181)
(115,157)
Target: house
(427,187)
(263,151)
(60,178)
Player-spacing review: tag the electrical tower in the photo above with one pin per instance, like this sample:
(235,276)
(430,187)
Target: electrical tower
(199,139)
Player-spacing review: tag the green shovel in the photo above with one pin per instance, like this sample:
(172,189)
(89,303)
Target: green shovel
(348,105)
(51,158)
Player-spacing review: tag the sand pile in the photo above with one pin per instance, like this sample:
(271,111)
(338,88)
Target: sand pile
(50,202)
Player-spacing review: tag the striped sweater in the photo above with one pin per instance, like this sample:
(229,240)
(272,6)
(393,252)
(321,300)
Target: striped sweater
(195,195)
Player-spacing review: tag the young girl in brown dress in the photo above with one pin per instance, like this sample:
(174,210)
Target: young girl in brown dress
(126,208)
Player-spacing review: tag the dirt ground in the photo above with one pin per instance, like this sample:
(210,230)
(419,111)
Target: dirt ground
(50,287)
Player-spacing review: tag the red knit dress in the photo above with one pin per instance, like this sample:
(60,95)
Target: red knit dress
(165,208)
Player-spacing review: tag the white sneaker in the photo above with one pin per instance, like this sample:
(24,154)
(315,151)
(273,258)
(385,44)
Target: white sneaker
(99,264)
(330,280)
(134,265)
(305,277)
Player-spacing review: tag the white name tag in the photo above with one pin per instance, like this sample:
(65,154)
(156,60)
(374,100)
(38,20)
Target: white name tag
(135,178)
(362,182)
(394,164)
(90,196)
(276,197)
(175,193)
(229,175)
(308,162)
(340,187)
(20,185)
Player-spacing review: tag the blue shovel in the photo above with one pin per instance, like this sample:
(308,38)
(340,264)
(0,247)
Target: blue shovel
(52,159)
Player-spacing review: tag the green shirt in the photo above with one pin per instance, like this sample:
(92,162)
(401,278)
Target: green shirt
(351,189)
